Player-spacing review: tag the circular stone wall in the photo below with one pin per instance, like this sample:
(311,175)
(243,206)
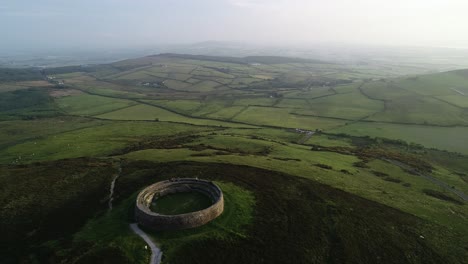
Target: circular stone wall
(159,222)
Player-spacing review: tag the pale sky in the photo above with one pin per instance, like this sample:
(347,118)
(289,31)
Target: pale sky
(133,23)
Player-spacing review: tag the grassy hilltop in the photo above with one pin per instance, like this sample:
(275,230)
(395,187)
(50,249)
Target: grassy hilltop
(320,162)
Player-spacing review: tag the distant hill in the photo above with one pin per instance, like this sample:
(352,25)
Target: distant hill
(463,72)
(160,58)
(242,60)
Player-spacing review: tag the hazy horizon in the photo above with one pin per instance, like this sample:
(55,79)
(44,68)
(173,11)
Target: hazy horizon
(53,24)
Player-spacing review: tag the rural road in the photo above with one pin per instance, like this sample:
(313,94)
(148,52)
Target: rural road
(455,90)
(156,253)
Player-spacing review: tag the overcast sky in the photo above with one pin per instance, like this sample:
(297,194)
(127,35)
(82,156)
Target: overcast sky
(132,23)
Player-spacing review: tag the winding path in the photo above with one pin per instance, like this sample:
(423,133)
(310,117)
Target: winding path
(112,187)
(156,253)
(436,181)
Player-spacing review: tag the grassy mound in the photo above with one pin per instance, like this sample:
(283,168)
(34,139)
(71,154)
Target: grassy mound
(180,203)
(300,221)
(269,217)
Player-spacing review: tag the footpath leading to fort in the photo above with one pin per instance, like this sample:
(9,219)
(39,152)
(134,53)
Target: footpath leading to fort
(156,253)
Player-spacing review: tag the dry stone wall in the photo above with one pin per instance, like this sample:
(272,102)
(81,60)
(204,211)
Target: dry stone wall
(158,222)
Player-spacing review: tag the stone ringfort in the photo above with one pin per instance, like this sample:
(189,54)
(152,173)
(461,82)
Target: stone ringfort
(159,222)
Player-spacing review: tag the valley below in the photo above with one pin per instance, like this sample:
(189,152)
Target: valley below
(319,162)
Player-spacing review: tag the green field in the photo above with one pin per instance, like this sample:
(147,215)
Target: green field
(283,117)
(151,113)
(444,138)
(348,106)
(180,203)
(89,105)
(457,100)
(99,140)
(318,162)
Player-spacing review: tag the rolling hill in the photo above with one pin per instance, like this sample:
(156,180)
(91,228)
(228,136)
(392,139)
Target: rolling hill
(323,162)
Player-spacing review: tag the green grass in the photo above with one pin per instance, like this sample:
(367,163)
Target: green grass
(294,205)
(347,88)
(139,75)
(458,100)
(180,203)
(209,107)
(304,167)
(267,134)
(349,106)
(211,73)
(95,141)
(421,110)
(18,131)
(227,112)
(434,84)
(328,141)
(385,91)
(360,182)
(179,76)
(112,230)
(304,214)
(281,117)
(172,68)
(429,208)
(68,75)
(447,176)
(115,93)
(310,93)
(177,85)
(246,80)
(238,213)
(89,105)
(27,104)
(183,106)
(48,201)
(233,143)
(192,80)
(426,99)
(255,202)
(264,101)
(152,113)
(204,86)
(293,103)
(444,138)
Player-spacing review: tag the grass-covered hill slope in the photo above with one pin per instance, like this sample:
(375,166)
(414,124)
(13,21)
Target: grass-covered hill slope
(305,222)
(429,109)
(320,162)
(244,60)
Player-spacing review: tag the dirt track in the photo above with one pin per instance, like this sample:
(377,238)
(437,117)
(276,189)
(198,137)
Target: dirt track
(430,178)
(156,253)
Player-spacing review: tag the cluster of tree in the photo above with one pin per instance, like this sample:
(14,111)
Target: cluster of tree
(26,104)
(22,99)
(15,75)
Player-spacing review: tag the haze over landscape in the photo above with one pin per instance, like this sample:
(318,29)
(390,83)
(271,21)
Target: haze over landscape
(121,23)
(233,131)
